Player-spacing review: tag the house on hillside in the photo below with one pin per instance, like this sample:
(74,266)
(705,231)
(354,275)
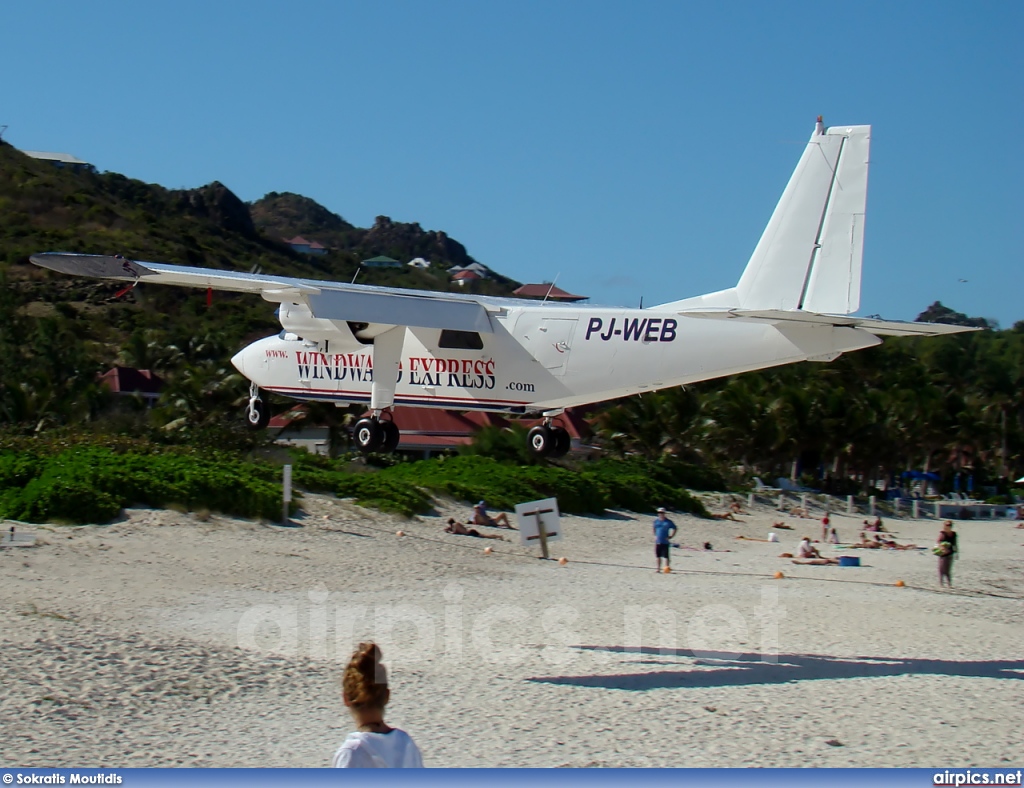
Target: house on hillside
(128,381)
(462,277)
(419,262)
(480,270)
(547,290)
(301,245)
(61,160)
(381,261)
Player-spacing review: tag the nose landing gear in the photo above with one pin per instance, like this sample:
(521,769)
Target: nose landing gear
(257,413)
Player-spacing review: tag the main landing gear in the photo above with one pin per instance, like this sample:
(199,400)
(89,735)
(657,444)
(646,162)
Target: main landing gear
(546,440)
(257,413)
(376,434)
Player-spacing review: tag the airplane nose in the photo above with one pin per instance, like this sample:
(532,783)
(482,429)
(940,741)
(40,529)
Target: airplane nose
(238,360)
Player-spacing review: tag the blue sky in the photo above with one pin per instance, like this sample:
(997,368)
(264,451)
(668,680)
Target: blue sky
(632,148)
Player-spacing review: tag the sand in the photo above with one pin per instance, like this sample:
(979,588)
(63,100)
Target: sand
(166,640)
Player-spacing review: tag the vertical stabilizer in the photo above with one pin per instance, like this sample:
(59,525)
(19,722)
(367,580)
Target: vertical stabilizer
(809,256)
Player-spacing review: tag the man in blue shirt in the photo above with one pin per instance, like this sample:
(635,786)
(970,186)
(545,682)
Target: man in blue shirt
(664,530)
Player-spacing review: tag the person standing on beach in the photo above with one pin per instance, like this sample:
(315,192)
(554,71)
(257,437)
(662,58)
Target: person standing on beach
(374,744)
(825,522)
(946,550)
(664,530)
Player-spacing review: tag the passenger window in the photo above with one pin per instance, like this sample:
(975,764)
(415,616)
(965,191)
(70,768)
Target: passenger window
(460,340)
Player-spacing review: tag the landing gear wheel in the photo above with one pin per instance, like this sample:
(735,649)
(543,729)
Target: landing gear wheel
(368,435)
(257,415)
(562,442)
(541,440)
(391,436)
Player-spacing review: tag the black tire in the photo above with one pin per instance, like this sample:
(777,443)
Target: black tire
(258,416)
(368,435)
(391,436)
(541,440)
(562,442)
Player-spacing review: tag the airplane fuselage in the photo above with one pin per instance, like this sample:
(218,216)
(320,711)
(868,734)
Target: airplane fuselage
(538,358)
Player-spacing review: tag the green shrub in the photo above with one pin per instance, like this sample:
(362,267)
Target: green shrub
(49,498)
(91,484)
(16,470)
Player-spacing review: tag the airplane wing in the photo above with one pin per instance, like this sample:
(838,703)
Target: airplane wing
(327,300)
(890,328)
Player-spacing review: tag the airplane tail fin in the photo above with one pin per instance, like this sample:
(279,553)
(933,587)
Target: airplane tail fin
(809,256)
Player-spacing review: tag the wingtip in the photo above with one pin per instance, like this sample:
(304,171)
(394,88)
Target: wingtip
(95,265)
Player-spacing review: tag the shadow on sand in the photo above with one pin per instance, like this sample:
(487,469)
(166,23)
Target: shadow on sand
(734,670)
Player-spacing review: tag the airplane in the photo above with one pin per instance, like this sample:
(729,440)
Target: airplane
(350,343)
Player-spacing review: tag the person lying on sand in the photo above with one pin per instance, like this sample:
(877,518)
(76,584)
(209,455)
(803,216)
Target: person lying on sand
(879,543)
(817,562)
(480,517)
(865,543)
(726,516)
(782,525)
(455,527)
(889,544)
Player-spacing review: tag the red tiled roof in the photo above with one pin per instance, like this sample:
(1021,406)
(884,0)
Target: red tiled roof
(433,428)
(541,290)
(315,245)
(434,421)
(467,275)
(289,417)
(298,240)
(128,380)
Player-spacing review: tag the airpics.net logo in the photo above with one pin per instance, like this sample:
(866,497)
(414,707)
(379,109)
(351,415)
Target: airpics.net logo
(969,777)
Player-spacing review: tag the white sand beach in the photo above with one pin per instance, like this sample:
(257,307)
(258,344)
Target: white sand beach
(165,640)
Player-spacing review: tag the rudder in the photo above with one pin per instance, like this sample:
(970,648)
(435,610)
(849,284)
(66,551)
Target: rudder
(809,256)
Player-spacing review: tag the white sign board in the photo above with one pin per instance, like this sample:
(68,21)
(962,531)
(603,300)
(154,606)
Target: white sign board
(532,515)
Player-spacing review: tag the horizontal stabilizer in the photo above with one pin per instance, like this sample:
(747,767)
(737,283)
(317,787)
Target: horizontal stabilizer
(888,328)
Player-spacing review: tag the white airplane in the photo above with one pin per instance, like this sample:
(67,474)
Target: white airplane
(349,343)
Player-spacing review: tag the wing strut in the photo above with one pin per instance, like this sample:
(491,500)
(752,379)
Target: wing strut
(387,354)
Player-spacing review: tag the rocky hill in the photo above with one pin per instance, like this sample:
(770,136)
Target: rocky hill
(46,208)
